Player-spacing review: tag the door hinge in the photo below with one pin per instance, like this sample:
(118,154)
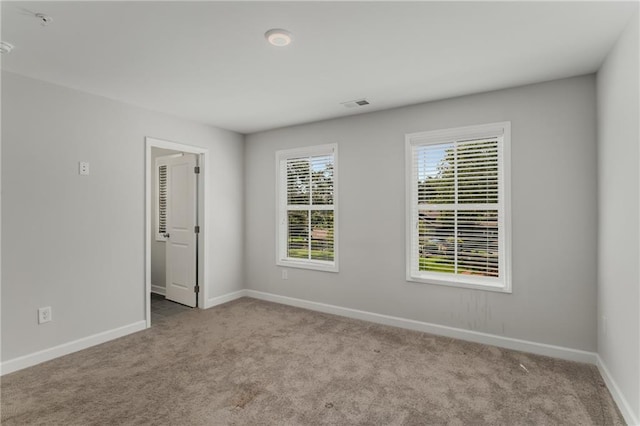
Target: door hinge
(196,170)
(196,289)
(196,229)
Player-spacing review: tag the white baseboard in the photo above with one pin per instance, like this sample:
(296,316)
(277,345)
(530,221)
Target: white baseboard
(441,330)
(57,351)
(473,336)
(224,298)
(158,290)
(631,418)
(66,348)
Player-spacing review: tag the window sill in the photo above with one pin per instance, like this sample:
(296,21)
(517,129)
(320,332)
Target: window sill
(471,284)
(313,265)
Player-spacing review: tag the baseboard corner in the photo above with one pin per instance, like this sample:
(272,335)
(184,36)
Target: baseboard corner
(219,300)
(623,405)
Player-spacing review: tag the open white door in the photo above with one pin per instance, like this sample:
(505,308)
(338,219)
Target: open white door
(181,241)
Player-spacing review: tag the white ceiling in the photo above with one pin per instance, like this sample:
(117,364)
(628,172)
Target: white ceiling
(209,61)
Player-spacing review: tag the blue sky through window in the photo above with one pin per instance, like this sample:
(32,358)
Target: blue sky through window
(429,158)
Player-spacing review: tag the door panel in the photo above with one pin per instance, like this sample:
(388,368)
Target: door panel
(181,221)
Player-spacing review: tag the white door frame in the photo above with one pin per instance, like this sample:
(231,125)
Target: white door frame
(203,210)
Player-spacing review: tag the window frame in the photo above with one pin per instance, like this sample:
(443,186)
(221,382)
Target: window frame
(281,158)
(501,130)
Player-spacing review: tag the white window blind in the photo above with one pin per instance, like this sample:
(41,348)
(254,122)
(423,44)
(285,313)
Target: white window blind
(162,199)
(457,207)
(307,183)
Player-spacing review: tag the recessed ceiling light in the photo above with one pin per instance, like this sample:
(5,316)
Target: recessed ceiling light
(5,47)
(278,37)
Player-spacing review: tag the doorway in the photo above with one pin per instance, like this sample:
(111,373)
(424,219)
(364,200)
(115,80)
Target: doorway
(175,210)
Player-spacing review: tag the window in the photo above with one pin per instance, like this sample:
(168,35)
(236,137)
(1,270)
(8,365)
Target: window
(307,208)
(162,202)
(162,194)
(458,222)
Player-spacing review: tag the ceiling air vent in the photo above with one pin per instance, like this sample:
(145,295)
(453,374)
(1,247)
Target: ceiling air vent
(356,103)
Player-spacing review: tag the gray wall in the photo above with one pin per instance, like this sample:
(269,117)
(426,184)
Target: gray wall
(618,208)
(158,248)
(553,205)
(76,243)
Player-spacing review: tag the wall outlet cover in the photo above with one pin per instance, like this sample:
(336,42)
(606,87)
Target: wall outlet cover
(83,168)
(44,315)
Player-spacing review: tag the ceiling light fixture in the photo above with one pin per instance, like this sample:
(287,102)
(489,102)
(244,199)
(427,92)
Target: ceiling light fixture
(5,47)
(278,37)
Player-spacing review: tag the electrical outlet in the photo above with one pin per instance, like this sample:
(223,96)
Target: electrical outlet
(285,274)
(44,315)
(83,168)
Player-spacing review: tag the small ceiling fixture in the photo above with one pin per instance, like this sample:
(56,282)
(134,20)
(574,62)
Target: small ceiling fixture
(5,47)
(278,37)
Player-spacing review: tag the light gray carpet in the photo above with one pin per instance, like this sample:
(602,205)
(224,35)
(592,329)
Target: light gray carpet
(252,362)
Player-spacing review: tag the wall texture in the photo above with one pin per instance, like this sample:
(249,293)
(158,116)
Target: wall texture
(76,243)
(618,213)
(553,205)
